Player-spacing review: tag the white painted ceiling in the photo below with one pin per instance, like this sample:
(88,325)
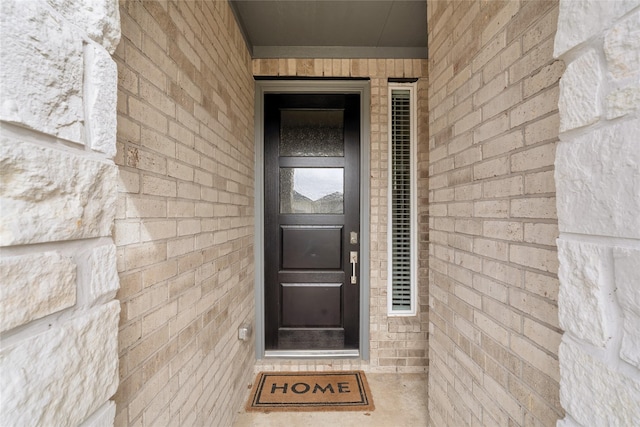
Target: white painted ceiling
(334,29)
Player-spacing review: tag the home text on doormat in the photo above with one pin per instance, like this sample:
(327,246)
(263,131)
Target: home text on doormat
(310,391)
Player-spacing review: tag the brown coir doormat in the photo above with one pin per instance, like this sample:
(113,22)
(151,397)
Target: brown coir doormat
(310,391)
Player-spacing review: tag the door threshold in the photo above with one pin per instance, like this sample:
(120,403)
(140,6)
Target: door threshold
(312,354)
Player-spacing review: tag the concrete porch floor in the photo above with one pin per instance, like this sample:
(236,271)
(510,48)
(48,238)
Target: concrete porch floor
(400,400)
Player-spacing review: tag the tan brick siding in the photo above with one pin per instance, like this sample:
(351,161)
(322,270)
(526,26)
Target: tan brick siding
(398,344)
(494,332)
(184,226)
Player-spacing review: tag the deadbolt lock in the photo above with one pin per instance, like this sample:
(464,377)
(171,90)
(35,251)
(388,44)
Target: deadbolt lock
(353,238)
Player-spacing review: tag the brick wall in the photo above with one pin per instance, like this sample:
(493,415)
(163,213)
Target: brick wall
(397,343)
(184,221)
(494,332)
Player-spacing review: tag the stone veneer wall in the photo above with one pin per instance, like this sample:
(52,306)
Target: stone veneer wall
(493,100)
(398,344)
(184,223)
(58,317)
(598,180)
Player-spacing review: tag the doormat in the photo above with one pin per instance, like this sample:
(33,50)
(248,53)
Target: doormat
(310,391)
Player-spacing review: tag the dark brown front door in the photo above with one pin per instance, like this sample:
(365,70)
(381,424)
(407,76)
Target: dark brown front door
(312,221)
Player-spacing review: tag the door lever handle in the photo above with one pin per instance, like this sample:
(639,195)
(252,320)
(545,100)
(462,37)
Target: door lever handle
(353,259)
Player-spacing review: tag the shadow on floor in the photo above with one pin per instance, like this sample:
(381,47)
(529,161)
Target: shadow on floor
(400,400)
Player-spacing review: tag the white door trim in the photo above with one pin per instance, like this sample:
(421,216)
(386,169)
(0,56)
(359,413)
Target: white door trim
(363,88)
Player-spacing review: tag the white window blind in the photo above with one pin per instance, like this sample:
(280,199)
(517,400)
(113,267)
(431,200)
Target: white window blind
(401,200)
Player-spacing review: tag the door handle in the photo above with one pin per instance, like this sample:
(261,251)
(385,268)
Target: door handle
(353,259)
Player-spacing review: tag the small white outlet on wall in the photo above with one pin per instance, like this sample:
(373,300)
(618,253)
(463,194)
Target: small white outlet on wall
(244,332)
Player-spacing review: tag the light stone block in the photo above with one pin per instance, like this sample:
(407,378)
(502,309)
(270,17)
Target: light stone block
(582,298)
(104,275)
(60,377)
(603,162)
(101,100)
(51,195)
(100,19)
(579,87)
(41,78)
(622,47)
(34,286)
(103,417)
(567,422)
(627,280)
(579,20)
(623,101)
(594,394)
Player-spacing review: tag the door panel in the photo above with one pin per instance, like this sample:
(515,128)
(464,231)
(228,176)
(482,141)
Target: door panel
(311,339)
(312,205)
(312,248)
(311,305)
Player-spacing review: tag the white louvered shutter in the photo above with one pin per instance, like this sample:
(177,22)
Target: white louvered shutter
(401,198)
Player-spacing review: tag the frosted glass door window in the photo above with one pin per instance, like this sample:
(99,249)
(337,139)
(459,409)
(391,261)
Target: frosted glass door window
(312,190)
(312,133)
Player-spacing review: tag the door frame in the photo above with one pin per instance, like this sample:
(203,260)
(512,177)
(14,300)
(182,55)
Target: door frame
(363,88)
